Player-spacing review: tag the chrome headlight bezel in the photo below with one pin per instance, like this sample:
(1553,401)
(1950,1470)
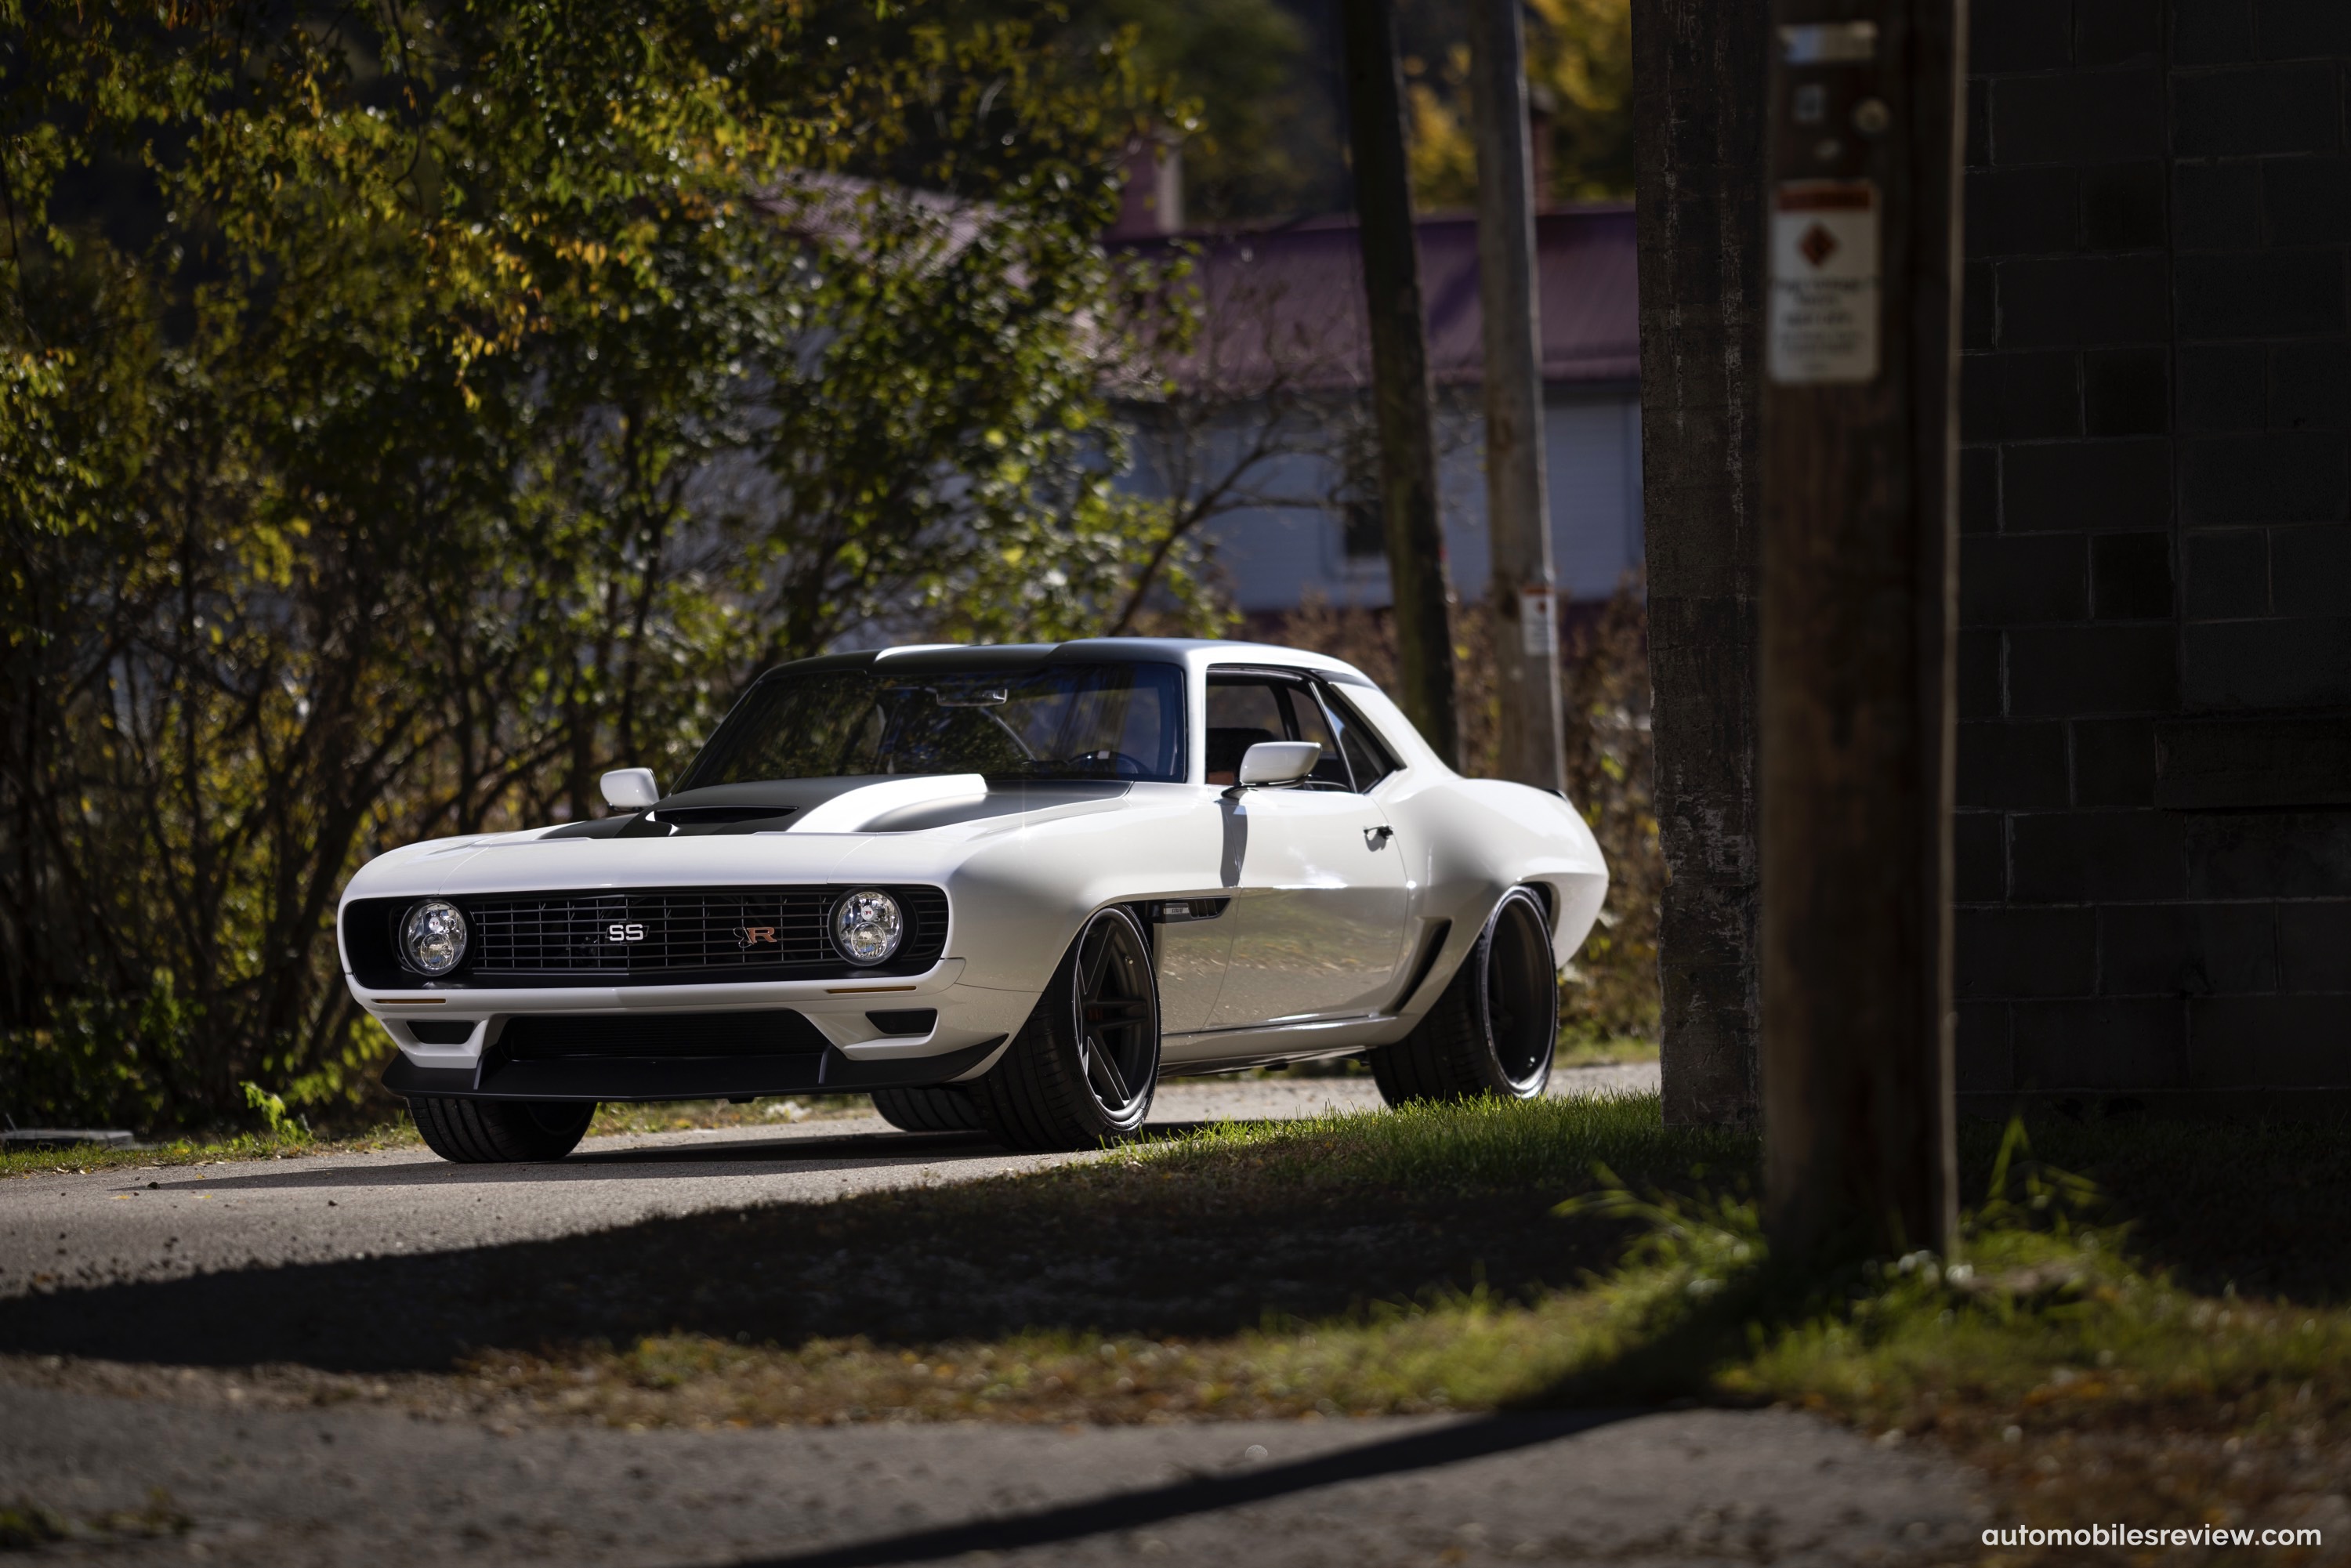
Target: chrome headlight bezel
(434,937)
(867,926)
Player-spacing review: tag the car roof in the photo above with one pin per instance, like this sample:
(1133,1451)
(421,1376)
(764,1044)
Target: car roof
(915,658)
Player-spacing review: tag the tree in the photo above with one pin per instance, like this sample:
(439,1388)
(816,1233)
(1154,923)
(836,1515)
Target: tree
(494,392)
(1580,75)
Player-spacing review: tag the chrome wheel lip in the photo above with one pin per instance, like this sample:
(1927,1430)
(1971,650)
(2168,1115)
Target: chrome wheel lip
(1119,1074)
(1517,904)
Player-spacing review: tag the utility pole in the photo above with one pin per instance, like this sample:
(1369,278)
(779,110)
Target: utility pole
(1400,388)
(1860,557)
(1517,517)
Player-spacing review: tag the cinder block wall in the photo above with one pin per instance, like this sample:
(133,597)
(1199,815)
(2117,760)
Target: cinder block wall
(2154,843)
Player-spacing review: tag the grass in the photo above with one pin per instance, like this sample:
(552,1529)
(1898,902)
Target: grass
(1604,1051)
(291,1141)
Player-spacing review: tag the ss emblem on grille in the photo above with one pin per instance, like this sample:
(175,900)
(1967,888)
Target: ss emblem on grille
(630,931)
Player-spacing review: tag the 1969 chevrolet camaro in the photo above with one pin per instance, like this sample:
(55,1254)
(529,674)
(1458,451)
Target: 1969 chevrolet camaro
(1003,888)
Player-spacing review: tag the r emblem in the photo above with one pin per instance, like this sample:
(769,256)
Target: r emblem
(752,935)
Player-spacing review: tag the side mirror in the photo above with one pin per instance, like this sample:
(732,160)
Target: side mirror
(631,788)
(1278,762)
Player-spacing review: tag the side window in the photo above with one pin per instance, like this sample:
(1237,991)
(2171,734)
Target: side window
(1360,743)
(1241,713)
(1330,768)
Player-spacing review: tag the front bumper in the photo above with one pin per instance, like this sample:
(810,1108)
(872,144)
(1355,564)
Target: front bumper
(692,1042)
(615,1077)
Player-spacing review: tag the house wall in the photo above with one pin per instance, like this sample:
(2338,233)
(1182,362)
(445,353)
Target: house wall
(1275,556)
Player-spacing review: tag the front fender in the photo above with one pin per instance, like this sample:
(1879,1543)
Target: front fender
(1018,898)
(1476,839)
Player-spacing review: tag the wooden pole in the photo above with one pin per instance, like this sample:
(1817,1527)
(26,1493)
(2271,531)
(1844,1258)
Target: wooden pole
(1860,554)
(1518,515)
(1400,387)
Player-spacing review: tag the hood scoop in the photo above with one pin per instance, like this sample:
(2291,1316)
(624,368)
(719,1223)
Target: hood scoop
(662,822)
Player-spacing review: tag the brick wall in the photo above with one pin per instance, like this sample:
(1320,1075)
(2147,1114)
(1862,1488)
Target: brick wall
(2154,840)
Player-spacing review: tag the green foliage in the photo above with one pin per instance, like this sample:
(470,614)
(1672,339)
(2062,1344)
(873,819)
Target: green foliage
(275,1122)
(1580,75)
(443,405)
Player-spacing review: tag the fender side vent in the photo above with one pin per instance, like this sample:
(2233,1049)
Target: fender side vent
(1431,945)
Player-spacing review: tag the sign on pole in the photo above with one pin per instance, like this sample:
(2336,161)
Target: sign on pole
(1860,551)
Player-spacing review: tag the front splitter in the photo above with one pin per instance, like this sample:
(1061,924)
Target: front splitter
(644,1078)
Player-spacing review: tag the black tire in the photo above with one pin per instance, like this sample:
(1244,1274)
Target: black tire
(944,1109)
(501,1132)
(1495,1029)
(1081,1071)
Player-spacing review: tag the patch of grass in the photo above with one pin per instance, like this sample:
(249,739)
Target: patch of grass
(1603,1051)
(25,1526)
(292,1140)
(290,1144)
(28,1526)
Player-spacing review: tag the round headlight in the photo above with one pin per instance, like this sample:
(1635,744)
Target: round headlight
(867,926)
(433,937)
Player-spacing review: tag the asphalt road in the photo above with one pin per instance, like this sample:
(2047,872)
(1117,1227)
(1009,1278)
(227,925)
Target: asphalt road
(120,1226)
(365,1487)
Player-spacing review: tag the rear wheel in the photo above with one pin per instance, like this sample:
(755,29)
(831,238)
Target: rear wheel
(1494,1029)
(945,1108)
(1081,1071)
(494,1131)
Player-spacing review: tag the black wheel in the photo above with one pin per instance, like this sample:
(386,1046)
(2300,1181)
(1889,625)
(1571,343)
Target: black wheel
(1495,1028)
(1082,1070)
(492,1131)
(944,1109)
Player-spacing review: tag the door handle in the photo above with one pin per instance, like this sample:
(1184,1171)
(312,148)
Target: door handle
(1377,838)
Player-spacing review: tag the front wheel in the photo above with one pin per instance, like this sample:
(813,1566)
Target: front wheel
(943,1108)
(1082,1070)
(1494,1029)
(501,1132)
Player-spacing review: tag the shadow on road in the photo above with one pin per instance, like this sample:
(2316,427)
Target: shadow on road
(1118,1251)
(1452,1443)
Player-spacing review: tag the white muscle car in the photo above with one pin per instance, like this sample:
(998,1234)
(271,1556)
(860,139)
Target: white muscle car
(998,888)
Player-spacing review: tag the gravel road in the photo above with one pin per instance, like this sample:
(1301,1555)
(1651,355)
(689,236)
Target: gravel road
(121,1227)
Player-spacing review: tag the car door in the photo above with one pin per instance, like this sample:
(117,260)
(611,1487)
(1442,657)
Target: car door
(1322,898)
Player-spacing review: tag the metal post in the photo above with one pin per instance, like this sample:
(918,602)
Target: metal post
(1517,515)
(1860,553)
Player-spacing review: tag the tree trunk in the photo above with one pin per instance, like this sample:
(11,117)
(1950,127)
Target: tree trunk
(1697,122)
(1400,387)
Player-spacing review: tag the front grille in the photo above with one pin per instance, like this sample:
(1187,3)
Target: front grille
(752,934)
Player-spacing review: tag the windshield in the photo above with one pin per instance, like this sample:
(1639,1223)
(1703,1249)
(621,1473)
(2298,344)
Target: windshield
(1058,721)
